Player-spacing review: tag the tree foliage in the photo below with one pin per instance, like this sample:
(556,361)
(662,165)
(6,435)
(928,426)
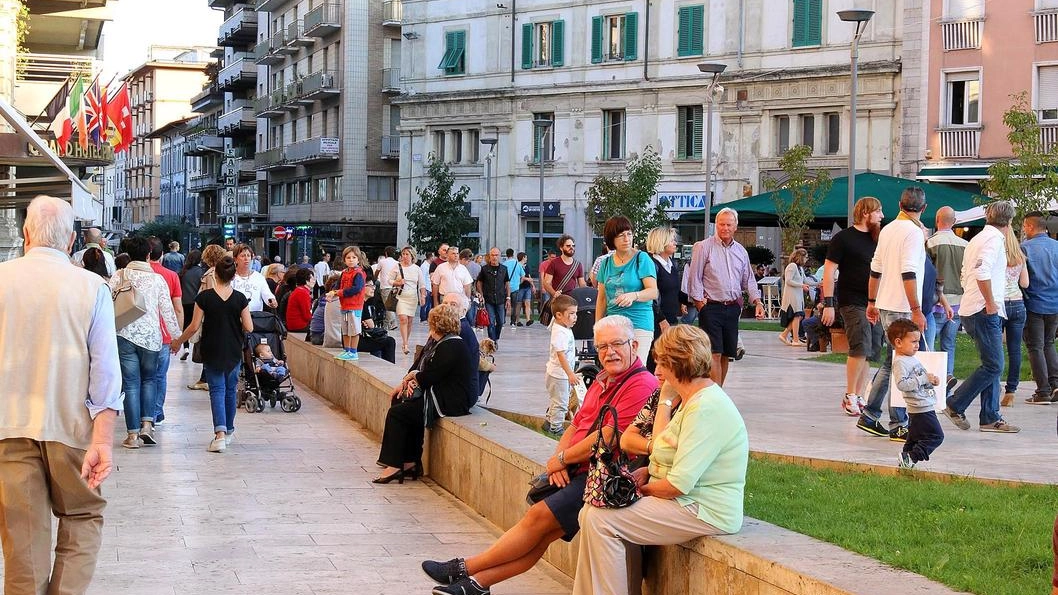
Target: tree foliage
(806,189)
(760,255)
(629,194)
(166,229)
(1030,178)
(440,216)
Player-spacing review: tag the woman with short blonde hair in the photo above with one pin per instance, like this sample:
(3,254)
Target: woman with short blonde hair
(406,280)
(793,296)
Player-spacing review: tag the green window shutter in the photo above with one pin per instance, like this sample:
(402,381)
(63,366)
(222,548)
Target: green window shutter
(557,49)
(527,45)
(681,132)
(800,23)
(459,60)
(631,35)
(596,40)
(683,34)
(697,29)
(696,144)
(449,51)
(814,33)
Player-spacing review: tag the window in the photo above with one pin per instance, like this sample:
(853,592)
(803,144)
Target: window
(542,44)
(963,99)
(291,193)
(547,137)
(336,188)
(614,38)
(381,188)
(305,192)
(783,142)
(691,32)
(689,132)
(454,60)
(807,23)
(613,134)
(439,145)
(808,131)
(457,146)
(1047,92)
(964,9)
(832,122)
(321,190)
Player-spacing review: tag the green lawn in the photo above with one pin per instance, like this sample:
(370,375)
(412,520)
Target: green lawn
(984,539)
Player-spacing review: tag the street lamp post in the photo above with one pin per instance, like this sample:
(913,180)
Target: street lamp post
(491,144)
(540,126)
(713,70)
(860,18)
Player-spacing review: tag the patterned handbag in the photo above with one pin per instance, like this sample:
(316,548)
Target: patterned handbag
(610,483)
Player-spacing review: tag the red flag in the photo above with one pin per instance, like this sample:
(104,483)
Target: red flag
(119,112)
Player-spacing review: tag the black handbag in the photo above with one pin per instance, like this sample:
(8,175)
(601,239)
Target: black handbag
(609,483)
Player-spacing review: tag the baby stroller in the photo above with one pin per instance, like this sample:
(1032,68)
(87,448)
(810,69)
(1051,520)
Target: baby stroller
(261,387)
(587,364)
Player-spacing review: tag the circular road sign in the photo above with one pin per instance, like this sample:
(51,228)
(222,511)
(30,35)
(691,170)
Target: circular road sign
(279,232)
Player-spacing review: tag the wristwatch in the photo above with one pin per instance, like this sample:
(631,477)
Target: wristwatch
(667,403)
(561,457)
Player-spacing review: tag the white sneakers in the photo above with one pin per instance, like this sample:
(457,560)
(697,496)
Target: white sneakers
(853,405)
(217,445)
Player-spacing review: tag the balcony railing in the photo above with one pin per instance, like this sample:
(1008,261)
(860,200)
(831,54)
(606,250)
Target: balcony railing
(959,142)
(202,181)
(391,80)
(320,84)
(1046,22)
(295,37)
(240,74)
(239,119)
(392,12)
(313,150)
(963,34)
(50,68)
(270,158)
(240,28)
(323,20)
(209,98)
(391,146)
(269,106)
(204,142)
(267,52)
(268,5)
(1048,135)
(220,3)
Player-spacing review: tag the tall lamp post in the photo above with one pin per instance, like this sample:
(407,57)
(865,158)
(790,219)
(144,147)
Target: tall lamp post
(860,18)
(713,70)
(540,126)
(491,144)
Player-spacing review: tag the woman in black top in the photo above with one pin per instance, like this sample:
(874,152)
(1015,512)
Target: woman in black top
(227,320)
(444,375)
(190,279)
(671,302)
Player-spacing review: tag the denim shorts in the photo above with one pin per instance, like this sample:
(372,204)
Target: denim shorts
(566,503)
(522,295)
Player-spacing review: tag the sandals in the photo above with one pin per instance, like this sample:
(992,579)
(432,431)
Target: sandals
(782,337)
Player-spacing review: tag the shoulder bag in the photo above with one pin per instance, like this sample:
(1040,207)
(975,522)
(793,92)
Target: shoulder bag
(609,483)
(394,293)
(540,487)
(546,315)
(129,303)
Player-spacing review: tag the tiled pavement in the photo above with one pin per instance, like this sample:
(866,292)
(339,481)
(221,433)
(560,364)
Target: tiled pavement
(289,509)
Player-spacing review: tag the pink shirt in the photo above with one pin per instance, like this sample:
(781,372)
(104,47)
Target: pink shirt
(629,400)
(172,281)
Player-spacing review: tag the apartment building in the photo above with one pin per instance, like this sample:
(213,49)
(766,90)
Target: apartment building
(981,52)
(617,76)
(160,91)
(323,103)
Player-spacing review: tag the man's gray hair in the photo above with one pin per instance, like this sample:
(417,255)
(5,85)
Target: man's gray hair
(913,199)
(617,323)
(464,301)
(1000,213)
(729,211)
(49,222)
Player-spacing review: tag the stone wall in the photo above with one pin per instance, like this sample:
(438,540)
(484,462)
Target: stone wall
(486,462)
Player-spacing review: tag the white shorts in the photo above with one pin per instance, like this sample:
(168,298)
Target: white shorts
(350,323)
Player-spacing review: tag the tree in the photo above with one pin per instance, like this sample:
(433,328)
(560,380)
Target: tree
(166,229)
(760,255)
(440,217)
(630,195)
(806,188)
(1030,178)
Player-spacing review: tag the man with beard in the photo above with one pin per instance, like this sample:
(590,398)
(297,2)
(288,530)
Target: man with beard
(563,274)
(850,251)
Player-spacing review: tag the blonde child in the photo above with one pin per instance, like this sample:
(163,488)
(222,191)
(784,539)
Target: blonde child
(351,295)
(561,353)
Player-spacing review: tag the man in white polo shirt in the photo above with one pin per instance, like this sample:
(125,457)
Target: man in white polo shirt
(450,276)
(983,283)
(893,292)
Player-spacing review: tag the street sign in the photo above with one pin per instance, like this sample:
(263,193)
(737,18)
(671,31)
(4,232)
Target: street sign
(229,220)
(279,232)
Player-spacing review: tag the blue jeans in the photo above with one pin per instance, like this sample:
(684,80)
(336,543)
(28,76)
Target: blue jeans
(987,332)
(160,384)
(138,367)
(497,317)
(222,401)
(879,394)
(947,331)
(1014,326)
(929,337)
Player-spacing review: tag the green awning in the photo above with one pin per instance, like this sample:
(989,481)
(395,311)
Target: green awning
(759,210)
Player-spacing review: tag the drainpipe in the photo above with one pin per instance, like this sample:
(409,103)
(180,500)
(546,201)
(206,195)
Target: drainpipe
(514,36)
(646,43)
(741,30)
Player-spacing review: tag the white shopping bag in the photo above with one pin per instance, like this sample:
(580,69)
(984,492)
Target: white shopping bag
(936,363)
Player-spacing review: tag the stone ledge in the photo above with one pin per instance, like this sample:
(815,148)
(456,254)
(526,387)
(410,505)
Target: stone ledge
(486,462)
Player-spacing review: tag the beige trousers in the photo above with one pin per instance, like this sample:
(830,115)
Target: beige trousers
(37,480)
(609,559)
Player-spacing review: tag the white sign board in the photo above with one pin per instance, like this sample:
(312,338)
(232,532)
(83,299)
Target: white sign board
(936,363)
(681,202)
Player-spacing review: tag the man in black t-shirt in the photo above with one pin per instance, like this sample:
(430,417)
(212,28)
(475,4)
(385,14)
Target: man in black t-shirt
(850,252)
(494,285)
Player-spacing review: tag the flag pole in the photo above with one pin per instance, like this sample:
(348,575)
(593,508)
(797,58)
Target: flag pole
(62,88)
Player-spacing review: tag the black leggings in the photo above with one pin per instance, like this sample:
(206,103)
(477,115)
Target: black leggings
(189,312)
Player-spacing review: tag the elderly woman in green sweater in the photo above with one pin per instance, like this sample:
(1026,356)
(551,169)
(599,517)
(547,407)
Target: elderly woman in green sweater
(696,478)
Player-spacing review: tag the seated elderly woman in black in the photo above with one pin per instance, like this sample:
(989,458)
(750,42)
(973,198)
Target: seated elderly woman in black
(438,385)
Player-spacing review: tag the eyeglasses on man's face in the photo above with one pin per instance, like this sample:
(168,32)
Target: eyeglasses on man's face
(614,345)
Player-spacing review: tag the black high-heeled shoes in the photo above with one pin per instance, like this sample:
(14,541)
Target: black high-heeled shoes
(415,472)
(399,476)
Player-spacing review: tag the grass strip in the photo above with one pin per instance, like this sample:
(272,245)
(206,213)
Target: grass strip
(971,536)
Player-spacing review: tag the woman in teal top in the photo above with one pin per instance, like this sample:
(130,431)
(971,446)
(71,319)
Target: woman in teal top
(627,283)
(696,479)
